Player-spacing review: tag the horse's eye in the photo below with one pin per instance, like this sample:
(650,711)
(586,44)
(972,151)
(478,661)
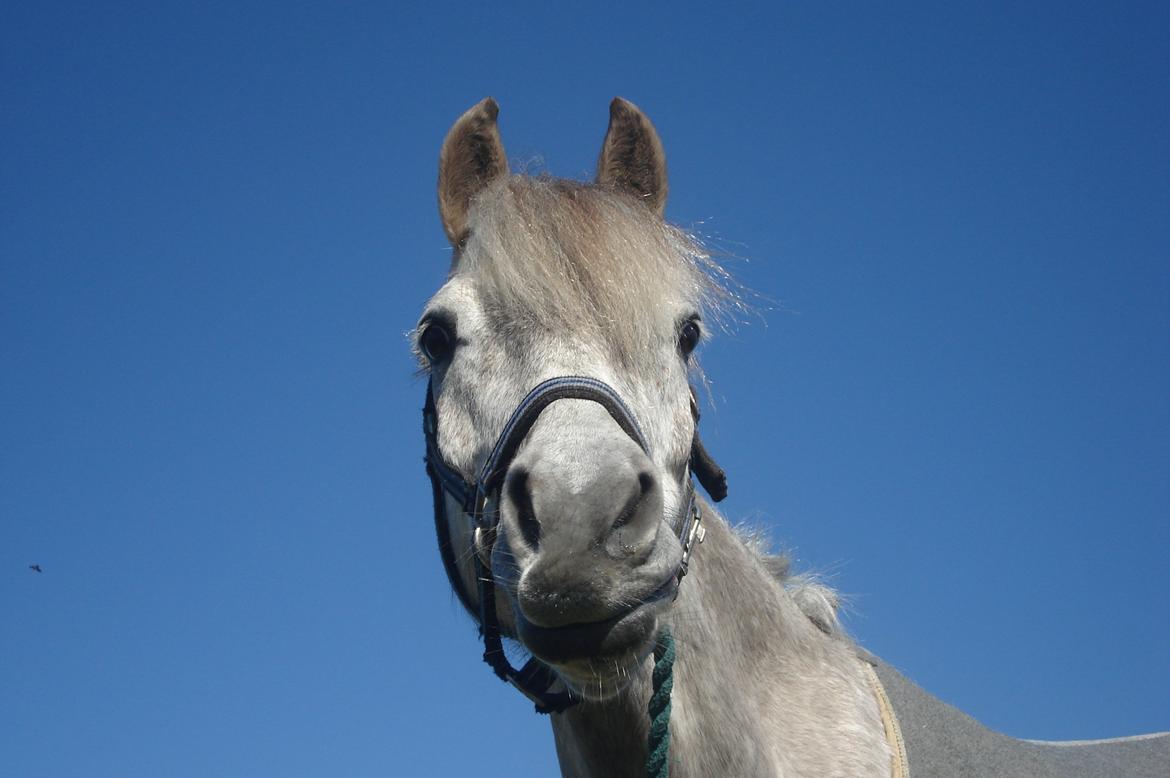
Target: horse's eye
(688,337)
(435,342)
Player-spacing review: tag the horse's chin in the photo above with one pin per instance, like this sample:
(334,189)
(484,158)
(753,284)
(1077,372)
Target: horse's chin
(598,680)
(597,660)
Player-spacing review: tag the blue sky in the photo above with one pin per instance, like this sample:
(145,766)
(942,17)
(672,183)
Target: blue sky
(217,220)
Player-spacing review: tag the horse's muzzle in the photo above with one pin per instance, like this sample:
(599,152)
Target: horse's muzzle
(629,633)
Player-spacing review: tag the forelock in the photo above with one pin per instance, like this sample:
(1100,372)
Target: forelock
(553,255)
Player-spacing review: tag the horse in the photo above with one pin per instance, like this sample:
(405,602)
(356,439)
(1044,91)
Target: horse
(562,442)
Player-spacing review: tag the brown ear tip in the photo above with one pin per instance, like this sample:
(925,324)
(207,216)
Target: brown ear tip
(619,106)
(490,107)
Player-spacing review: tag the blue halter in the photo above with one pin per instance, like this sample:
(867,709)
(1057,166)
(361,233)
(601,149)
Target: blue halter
(535,679)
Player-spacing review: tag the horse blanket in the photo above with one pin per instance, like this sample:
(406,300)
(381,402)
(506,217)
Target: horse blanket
(932,739)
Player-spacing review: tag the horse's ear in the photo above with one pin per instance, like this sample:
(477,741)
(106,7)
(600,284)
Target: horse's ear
(632,159)
(472,157)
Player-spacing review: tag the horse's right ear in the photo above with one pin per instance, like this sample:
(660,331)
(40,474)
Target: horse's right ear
(472,157)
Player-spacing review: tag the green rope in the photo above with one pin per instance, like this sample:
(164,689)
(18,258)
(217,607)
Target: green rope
(657,764)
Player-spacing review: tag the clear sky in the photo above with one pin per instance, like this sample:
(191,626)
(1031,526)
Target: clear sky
(218,219)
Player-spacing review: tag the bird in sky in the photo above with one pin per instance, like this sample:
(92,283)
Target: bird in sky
(36,568)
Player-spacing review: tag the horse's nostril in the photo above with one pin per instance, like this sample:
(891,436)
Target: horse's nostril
(521,497)
(633,506)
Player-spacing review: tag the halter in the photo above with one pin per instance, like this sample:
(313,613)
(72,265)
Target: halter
(536,680)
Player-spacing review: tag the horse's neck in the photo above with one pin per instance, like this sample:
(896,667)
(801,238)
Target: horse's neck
(758,689)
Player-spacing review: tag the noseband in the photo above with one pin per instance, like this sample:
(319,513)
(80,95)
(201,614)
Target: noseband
(535,679)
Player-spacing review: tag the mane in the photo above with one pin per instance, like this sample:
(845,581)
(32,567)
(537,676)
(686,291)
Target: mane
(818,601)
(564,256)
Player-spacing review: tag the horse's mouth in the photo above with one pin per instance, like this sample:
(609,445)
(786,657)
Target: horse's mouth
(595,654)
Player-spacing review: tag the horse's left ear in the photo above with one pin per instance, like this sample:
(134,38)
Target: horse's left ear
(632,159)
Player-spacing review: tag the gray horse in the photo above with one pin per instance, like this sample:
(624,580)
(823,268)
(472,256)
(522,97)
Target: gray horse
(562,442)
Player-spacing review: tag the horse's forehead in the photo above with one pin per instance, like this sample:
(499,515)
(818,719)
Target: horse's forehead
(476,306)
(526,354)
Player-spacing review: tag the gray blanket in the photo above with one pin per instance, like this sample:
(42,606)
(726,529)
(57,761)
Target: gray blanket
(945,742)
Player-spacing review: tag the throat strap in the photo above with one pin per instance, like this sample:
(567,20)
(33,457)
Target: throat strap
(710,475)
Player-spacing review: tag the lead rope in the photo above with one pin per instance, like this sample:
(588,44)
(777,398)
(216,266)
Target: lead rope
(657,764)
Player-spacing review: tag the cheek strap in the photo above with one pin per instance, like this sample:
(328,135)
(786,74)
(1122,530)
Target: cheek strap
(710,475)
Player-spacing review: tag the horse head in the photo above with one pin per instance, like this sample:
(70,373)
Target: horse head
(559,353)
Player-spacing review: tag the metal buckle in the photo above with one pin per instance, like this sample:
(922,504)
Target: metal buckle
(695,534)
(479,509)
